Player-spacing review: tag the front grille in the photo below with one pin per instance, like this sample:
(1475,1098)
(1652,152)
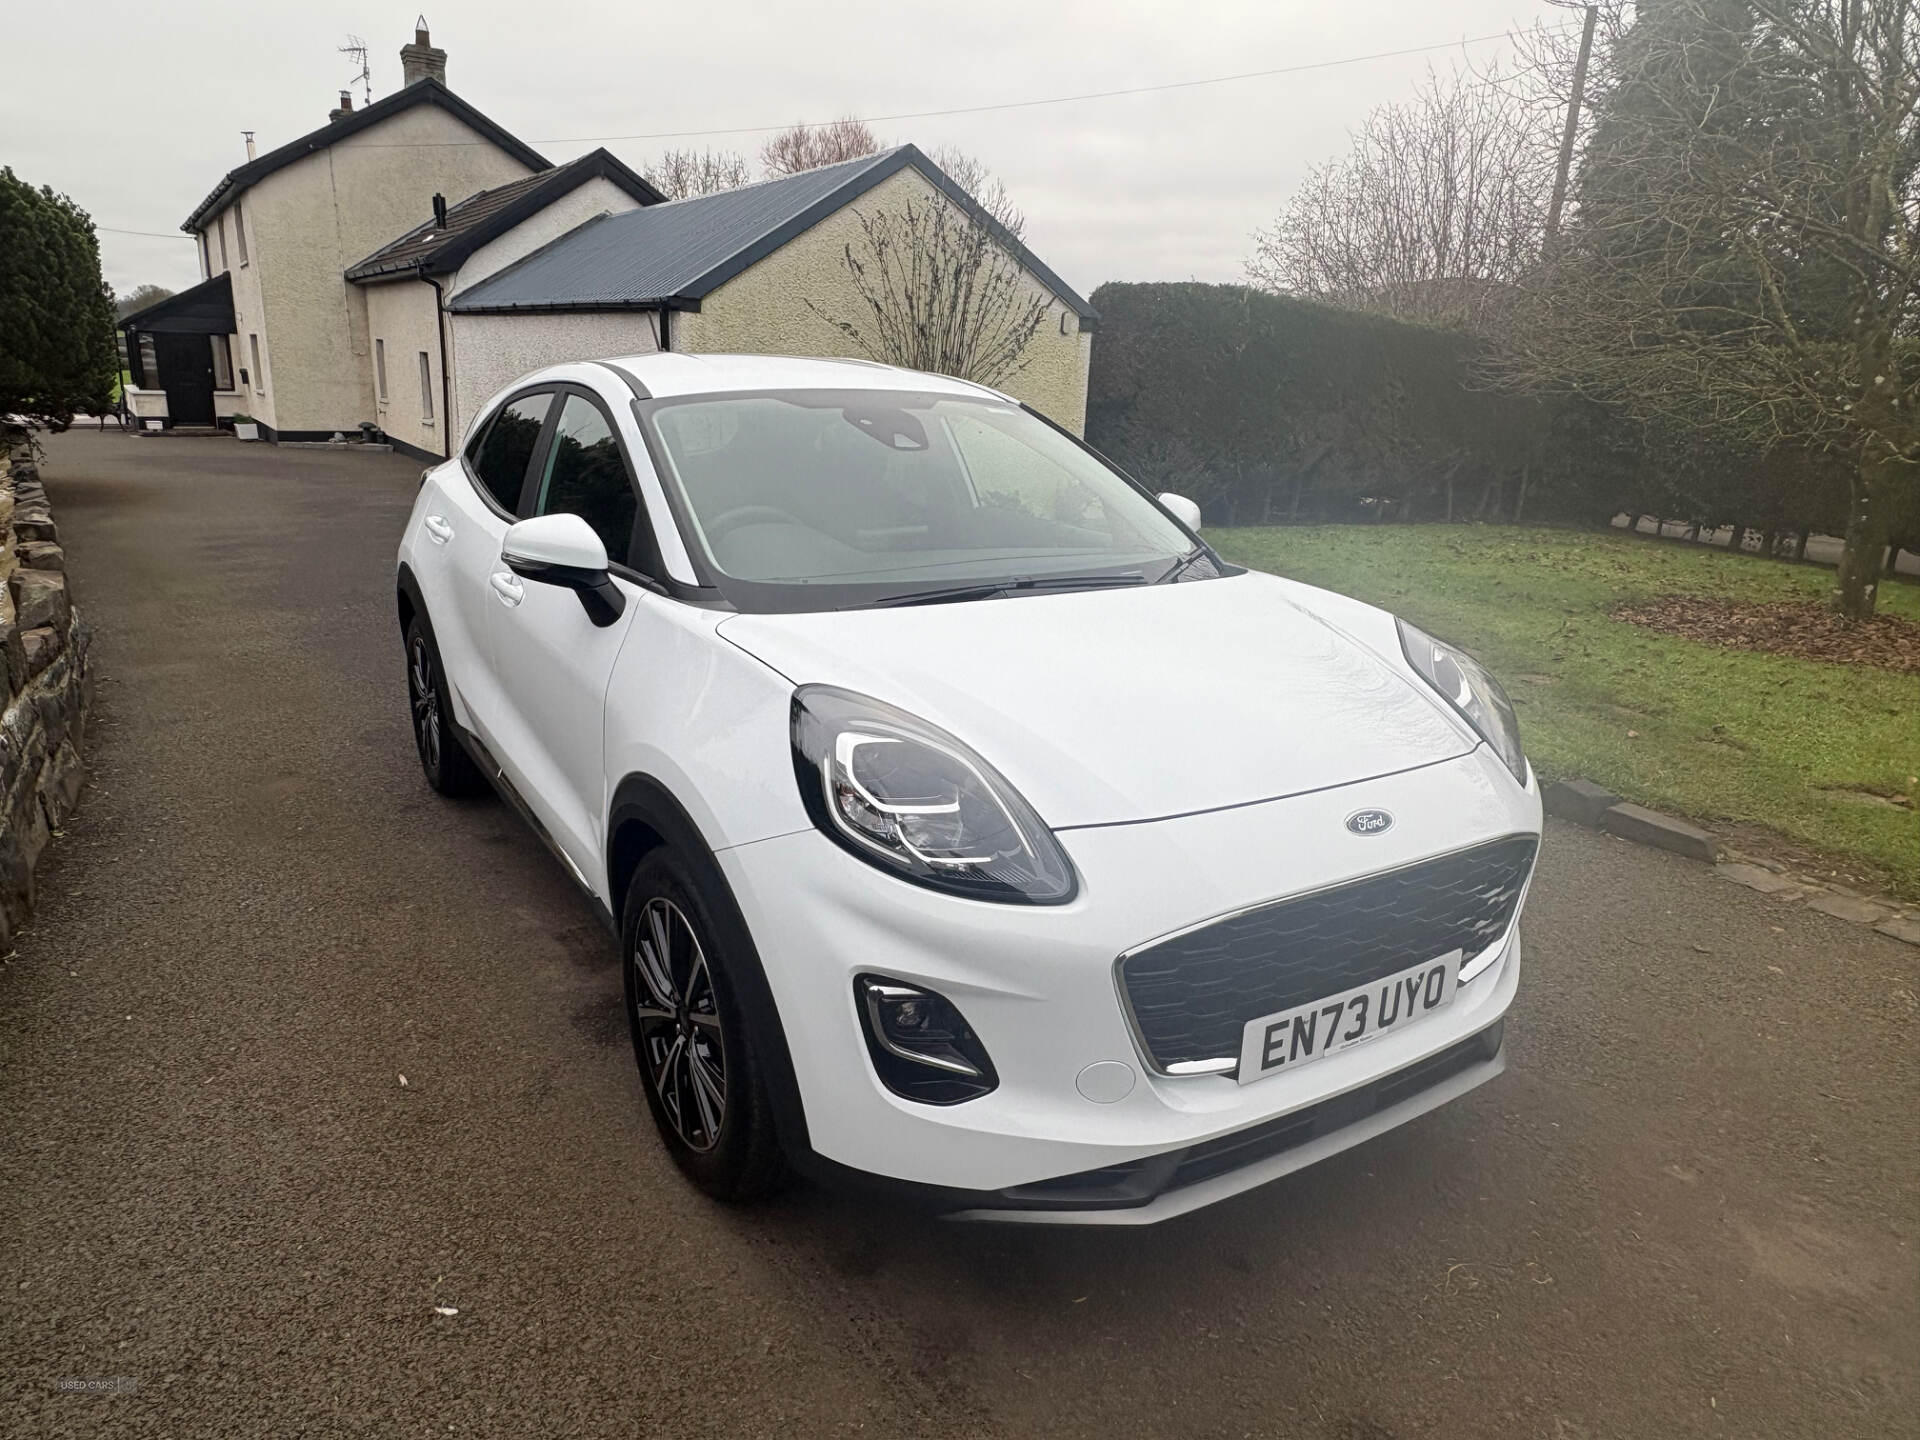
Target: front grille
(1192,995)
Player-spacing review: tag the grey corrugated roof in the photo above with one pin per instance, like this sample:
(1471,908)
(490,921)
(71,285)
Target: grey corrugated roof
(678,252)
(488,214)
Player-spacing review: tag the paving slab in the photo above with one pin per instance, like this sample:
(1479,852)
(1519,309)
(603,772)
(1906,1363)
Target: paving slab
(1756,877)
(1902,927)
(1849,907)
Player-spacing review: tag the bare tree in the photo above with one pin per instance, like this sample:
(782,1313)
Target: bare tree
(989,192)
(1439,201)
(1746,252)
(1540,69)
(679,174)
(808,147)
(940,287)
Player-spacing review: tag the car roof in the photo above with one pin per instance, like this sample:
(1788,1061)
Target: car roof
(680,373)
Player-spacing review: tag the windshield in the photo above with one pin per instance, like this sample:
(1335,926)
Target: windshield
(818,499)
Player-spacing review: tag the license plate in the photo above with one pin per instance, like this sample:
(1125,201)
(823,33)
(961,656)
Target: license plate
(1306,1033)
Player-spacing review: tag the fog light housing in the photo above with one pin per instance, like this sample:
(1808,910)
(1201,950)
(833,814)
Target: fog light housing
(922,1047)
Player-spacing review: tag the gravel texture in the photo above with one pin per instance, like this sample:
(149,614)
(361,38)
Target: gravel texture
(1688,1209)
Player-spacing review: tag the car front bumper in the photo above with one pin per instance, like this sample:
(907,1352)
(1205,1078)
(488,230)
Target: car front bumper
(1038,985)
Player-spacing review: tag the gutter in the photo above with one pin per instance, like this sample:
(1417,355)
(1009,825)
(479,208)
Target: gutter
(579,307)
(446,378)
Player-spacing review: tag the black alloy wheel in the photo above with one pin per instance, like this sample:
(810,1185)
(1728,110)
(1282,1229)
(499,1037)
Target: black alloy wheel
(443,759)
(695,1047)
(681,1044)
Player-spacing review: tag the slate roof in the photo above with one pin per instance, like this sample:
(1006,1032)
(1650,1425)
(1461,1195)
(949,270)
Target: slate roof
(437,250)
(421,92)
(673,254)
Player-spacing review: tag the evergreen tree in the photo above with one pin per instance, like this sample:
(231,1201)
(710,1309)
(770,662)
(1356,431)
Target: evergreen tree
(57,353)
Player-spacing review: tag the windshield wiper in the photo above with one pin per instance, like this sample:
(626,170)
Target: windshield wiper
(988,590)
(1180,567)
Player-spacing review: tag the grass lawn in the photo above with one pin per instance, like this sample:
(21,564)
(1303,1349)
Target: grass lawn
(1795,746)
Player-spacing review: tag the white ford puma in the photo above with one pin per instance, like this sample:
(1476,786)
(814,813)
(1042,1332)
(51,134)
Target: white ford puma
(967,824)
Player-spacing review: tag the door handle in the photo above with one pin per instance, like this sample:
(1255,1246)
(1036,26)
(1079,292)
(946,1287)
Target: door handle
(438,529)
(508,588)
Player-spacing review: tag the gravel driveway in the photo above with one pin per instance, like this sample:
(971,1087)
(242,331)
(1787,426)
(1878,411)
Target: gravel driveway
(1688,1209)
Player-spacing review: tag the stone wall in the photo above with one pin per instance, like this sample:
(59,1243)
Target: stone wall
(45,685)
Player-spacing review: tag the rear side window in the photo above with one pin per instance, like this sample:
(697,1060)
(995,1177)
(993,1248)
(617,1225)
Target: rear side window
(586,477)
(500,456)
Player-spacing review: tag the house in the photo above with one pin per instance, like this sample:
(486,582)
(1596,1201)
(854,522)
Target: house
(277,235)
(402,262)
(406,286)
(760,270)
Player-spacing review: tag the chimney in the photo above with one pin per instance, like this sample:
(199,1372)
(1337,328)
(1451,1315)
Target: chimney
(420,60)
(344,109)
(439,212)
(248,135)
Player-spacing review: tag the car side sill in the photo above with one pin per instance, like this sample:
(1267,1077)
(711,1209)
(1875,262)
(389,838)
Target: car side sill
(504,787)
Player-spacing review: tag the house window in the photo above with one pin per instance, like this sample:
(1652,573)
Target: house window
(240,231)
(149,376)
(222,363)
(206,258)
(259,374)
(380,369)
(426,390)
(223,242)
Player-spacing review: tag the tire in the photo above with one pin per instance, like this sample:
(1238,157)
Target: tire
(704,1077)
(443,759)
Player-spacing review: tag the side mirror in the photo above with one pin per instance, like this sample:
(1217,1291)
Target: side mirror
(563,550)
(1184,510)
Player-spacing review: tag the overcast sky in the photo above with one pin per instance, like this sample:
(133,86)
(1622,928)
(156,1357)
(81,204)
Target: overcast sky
(136,110)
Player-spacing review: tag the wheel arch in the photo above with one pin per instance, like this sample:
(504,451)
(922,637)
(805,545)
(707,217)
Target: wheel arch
(407,595)
(644,816)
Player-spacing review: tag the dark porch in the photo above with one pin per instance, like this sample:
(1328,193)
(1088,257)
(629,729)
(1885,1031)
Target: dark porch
(182,348)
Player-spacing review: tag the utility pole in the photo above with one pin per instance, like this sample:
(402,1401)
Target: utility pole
(1573,125)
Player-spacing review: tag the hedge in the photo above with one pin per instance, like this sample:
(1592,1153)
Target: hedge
(1271,410)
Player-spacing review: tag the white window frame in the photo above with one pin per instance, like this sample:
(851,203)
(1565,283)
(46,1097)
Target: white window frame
(380,369)
(259,367)
(240,234)
(224,265)
(426,389)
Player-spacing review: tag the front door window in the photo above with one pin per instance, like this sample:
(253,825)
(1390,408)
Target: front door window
(585,476)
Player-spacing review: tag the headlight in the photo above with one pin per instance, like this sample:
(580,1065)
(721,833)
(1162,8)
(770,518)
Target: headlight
(1466,686)
(910,798)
